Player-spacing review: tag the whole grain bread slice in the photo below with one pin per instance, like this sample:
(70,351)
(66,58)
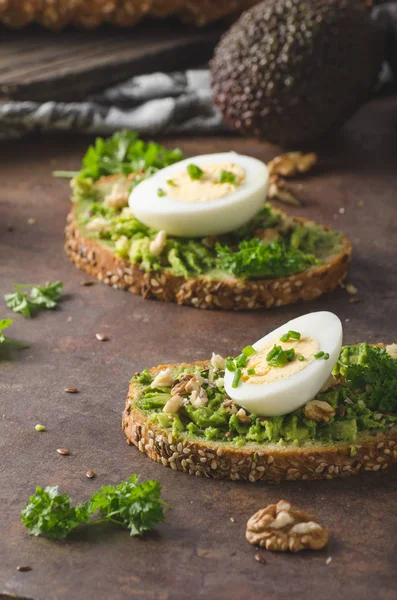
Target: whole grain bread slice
(254,462)
(202,292)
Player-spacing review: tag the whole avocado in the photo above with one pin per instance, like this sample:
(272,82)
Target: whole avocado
(288,71)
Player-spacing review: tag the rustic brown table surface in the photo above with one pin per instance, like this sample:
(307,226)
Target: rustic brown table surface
(200,552)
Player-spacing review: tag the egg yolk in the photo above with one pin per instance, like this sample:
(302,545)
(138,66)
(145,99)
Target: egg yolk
(216,181)
(265,373)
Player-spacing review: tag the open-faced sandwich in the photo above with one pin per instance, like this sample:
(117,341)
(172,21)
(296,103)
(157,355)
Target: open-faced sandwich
(294,405)
(195,231)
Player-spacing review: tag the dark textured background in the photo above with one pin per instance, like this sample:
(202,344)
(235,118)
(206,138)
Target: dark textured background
(199,552)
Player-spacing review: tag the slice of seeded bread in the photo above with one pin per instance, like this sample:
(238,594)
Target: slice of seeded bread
(200,291)
(254,462)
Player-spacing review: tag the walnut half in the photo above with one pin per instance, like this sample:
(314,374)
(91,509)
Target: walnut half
(281,527)
(318,410)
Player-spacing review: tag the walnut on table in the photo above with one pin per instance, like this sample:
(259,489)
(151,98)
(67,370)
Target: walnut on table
(289,164)
(281,527)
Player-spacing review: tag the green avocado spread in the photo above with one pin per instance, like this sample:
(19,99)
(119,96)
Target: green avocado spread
(362,394)
(270,245)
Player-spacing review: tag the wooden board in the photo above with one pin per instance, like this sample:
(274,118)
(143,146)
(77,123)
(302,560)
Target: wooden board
(42,65)
(199,553)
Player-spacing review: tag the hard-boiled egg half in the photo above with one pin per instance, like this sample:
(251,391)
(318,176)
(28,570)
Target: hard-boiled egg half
(200,196)
(286,368)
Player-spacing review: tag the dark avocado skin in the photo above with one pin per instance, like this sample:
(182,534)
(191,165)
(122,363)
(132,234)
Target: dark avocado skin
(289,71)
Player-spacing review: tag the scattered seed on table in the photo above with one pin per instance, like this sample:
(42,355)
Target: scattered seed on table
(260,558)
(233,520)
(101,337)
(63,451)
(39,427)
(24,568)
(71,390)
(329,560)
(90,474)
(87,282)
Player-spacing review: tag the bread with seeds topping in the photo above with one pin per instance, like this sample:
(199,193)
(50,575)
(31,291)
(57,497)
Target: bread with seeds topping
(212,442)
(271,260)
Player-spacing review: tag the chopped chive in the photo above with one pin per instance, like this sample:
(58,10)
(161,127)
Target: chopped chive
(319,354)
(230,365)
(227,177)
(160,192)
(284,338)
(295,335)
(241,360)
(249,351)
(290,355)
(275,350)
(236,378)
(251,372)
(194,171)
(326,356)
(171,182)
(301,357)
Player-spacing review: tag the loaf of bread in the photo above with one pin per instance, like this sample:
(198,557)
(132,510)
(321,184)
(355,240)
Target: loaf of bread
(56,14)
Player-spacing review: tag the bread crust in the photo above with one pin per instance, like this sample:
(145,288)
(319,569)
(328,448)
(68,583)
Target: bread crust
(254,462)
(201,292)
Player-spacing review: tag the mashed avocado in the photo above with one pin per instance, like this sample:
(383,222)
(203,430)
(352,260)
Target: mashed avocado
(356,403)
(270,245)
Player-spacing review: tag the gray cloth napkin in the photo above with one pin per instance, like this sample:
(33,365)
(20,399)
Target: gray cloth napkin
(159,103)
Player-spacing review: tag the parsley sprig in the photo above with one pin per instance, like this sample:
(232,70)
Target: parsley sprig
(125,153)
(4,324)
(40,296)
(136,506)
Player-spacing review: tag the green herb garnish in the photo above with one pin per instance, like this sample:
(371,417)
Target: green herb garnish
(249,351)
(295,335)
(136,506)
(301,357)
(41,296)
(241,360)
(319,355)
(4,324)
(253,259)
(125,153)
(277,357)
(326,356)
(230,364)
(194,171)
(171,182)
(236,378)
(160,192)
(251,372)
(227,177)
(372,371)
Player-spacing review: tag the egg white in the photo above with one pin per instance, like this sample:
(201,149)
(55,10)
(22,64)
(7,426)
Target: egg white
(207,218)
(284,396)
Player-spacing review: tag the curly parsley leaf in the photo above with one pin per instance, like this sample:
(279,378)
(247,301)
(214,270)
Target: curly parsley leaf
(136,506)
(371,370)
(49,514)
(4,324)
(125,153)
(257,260)
(41,296)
